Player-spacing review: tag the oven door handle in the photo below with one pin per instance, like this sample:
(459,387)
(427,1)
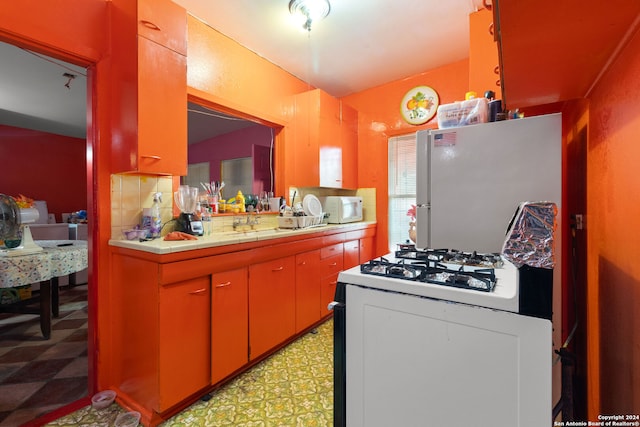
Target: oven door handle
(335,304)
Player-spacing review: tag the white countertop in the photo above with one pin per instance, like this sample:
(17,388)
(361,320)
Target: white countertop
(160,246)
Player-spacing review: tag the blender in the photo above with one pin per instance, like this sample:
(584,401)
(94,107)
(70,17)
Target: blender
(186,199)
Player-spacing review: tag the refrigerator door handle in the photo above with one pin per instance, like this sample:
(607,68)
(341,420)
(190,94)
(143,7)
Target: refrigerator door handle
(423,226)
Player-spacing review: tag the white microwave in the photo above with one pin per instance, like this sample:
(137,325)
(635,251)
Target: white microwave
(343,209)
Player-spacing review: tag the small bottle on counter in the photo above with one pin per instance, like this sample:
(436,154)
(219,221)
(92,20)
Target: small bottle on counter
(156,219)
(240,201)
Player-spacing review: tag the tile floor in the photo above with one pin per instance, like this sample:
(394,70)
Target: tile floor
(36,375)
(291,388)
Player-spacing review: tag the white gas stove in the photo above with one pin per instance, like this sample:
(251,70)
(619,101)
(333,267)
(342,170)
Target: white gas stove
(442,336)
(406,272)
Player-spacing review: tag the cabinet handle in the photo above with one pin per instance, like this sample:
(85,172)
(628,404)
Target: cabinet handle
(149,25)
(151,157)
(200,291)
(491,28)
(278,269)
(487,6)
(334,264)
(333,283)
(303,263)
(222,285)
(496,70)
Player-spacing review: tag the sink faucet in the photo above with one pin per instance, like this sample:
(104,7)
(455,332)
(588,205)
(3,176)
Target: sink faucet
(252,219)
(237,221)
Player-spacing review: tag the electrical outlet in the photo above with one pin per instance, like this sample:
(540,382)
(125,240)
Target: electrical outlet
(579,222)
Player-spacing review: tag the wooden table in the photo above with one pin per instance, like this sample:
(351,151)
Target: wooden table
(58,258)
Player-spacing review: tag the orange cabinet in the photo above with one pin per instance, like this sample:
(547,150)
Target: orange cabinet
(325,142)
(484,70)
(349,144)
(272,299)
(184,344)
(180,324)
(164,22)
(351,253)
(307,289)
(229,323)
(331,263)
(159,335)
(149,87)
(367,249)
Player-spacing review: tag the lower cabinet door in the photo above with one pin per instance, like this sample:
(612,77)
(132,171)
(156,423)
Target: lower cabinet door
(184,353)
(307,289)
(351,253)
(367,249)
(272,312)
(229,323)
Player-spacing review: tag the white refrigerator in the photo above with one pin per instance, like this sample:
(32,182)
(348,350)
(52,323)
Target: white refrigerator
(471,179)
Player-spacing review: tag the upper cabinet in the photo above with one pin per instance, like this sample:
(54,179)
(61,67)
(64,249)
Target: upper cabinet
(484,68)
(149,87)
(325,141)
(555,51)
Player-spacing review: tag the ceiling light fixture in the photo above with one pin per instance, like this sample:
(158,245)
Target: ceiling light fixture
(309,11)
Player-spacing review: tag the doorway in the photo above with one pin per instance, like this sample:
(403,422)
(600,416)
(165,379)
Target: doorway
(39,376)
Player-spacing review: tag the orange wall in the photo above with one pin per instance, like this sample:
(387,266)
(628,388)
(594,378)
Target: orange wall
(379,118)
(228,77)
(613,224)
(44,167)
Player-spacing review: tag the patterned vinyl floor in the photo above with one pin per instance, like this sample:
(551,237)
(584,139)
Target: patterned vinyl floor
(292,388)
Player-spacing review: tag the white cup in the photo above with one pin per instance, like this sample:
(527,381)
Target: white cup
(274,204)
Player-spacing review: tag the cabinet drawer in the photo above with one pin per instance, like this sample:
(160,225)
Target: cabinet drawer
(332,250)
(331,266)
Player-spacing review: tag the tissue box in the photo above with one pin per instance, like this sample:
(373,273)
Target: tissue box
(469,112)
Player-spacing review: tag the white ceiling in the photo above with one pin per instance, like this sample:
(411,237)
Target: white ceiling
(33,94)
(360,45)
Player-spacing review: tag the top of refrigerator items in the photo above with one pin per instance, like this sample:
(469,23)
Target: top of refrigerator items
(469,112)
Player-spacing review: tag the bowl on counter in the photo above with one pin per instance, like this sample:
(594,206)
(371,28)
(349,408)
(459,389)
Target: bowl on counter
(12,242)
(135,234)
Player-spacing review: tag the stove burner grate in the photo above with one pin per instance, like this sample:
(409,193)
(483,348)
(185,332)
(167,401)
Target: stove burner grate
(452,256)
(478,280)
(399,270)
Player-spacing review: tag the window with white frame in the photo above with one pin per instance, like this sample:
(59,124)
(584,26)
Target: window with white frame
(402,186)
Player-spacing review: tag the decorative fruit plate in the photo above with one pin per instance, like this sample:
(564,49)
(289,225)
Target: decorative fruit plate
(419,105)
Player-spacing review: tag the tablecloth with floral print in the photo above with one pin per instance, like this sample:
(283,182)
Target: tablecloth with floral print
(52,261)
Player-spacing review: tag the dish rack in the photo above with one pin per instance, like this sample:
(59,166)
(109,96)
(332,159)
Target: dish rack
(300,221)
